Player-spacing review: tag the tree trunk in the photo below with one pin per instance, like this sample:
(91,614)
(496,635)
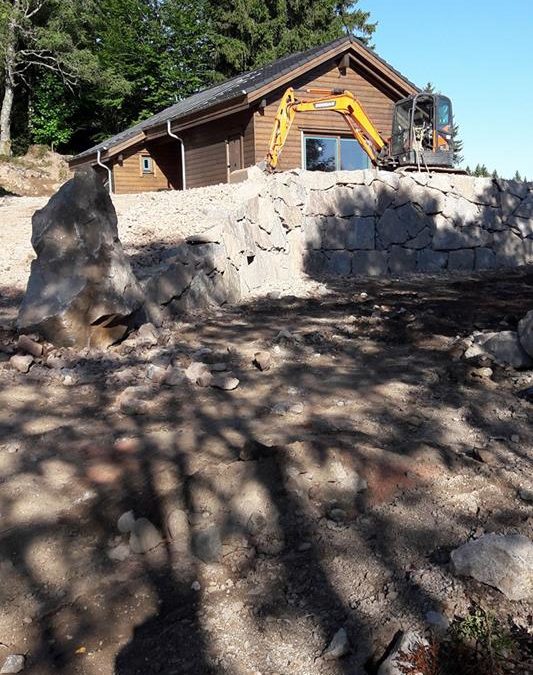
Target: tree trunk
(9,86)
(5,120)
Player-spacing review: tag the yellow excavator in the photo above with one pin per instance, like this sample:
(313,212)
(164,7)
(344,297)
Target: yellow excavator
(422,128)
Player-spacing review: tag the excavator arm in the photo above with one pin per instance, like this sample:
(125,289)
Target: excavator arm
(342,102)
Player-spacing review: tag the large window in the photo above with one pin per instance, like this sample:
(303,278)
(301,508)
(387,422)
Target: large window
(331,153)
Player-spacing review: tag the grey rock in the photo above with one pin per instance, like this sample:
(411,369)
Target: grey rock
(207,544)
(126,522)
(21,362)
(461,260)
(431,261)
(370,263)
(263,360)
(461,212)
(504,561)
(148,335)
(485,258)
(119,553)
(509,249)
(509,203)
(525,333)
(525,494)
(360,233)
(422,240)
(525,210)
(224,382)
(195,371)
(14,663)
(448,236)
(178,528)
(338,647)
(402,260)
(395,662)
(171,282)
(522,225)
(506,348)
(338,263)
(28,346)
(81,291)
(145,536)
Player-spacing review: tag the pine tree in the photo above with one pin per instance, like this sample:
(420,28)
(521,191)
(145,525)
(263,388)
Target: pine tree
(517,176)
(249,33)
(495,174)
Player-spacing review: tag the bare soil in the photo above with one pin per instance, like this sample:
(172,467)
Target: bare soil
(40,172)
(384,393)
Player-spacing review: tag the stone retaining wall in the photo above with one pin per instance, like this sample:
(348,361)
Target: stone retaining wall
(344,224)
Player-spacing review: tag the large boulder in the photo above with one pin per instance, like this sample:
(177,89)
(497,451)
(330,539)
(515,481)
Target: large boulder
(81,291)
(525,333)
(504,561)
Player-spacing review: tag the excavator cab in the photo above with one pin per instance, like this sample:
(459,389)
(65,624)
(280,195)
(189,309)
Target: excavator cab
(422,132)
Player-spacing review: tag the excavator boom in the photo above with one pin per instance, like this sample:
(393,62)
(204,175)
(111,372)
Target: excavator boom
(342,102)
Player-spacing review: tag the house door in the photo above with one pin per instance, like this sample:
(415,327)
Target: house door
(234,153)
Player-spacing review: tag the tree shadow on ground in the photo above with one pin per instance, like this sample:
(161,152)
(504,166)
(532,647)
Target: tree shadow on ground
(379,392)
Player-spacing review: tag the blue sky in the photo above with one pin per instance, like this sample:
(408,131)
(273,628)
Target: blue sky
(480,54)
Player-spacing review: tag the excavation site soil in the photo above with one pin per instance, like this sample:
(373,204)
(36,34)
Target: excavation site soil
(192,529)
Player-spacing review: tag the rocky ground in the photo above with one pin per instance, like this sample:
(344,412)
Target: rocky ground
(39,172)
(152,525)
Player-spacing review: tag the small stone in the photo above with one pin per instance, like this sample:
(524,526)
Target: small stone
(485,456)
(126,522)
(145,536)
(14,664)
(156,374)
(196,586)
(262,360)
(28,346)
(338,515)
(21,362)
(175,376)
(119,553)
(482,373)
(304,546)
(178,525)
(525,494)
(218,367)
(437,620)
(197,370)
(296,408)
(338,647)
(148,335)
(515,438)
(56,362)
(224,382)
(207,544)
(280,409)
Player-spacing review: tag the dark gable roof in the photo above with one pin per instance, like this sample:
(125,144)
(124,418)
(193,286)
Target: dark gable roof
(229,90)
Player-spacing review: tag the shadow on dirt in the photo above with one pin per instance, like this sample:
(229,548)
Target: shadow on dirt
(243,480)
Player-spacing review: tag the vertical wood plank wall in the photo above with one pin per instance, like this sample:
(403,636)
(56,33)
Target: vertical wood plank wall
(378,105)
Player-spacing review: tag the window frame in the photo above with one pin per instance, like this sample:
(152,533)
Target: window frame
(337,137)
(151,170)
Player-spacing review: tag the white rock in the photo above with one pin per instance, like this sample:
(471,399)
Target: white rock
(504,561)
(14,663)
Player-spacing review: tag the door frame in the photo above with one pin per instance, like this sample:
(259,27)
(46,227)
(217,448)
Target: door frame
(240,136)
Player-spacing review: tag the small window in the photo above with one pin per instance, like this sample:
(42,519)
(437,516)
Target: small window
(147,165)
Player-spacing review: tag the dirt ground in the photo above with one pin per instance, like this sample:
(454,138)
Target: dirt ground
(325,492)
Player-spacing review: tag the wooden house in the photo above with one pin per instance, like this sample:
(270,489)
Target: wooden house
(204,138)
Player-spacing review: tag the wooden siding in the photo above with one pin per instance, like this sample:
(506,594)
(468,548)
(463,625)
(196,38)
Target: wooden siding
(377,102)
(128,176)
(206,157)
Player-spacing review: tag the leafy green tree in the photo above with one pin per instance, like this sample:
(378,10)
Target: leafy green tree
(50,114)
(42,36)
(249,33)
(158,48)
